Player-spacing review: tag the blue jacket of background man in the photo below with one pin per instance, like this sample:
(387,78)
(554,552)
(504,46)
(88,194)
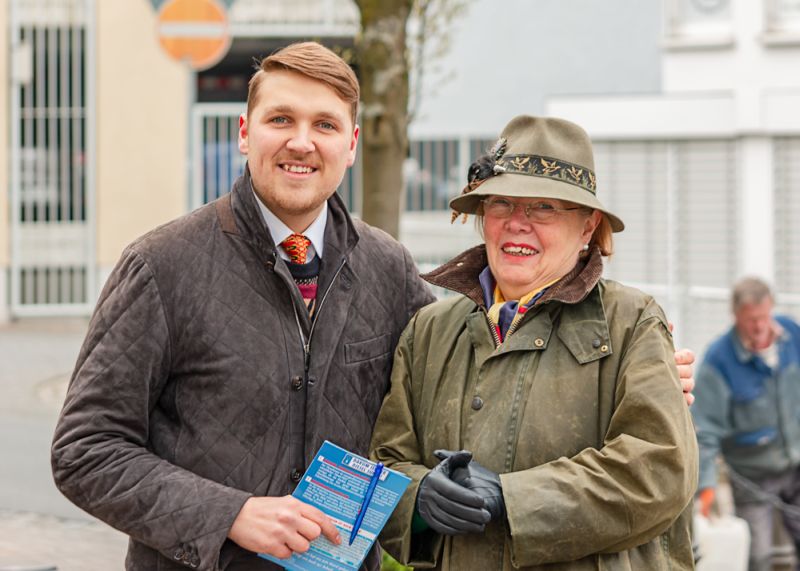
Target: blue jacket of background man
(746,410)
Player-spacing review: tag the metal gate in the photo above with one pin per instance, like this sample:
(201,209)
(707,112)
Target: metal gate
(52,157)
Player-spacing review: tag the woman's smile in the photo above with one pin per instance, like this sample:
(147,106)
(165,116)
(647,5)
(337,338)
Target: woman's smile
(519,250)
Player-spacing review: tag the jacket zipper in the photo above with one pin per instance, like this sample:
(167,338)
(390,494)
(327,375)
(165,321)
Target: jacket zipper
(493,328)
(307,342)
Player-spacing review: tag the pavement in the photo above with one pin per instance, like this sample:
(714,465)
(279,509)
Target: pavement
(39,529)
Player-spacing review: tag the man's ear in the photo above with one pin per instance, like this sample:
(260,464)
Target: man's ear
(244,145)
(353,146)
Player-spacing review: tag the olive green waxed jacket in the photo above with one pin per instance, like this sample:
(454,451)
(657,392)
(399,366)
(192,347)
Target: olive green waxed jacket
(580,411)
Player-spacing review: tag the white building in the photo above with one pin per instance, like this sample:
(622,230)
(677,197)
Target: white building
(706,174)
(694,107)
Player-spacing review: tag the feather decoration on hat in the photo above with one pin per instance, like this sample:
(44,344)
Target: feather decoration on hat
(484,167)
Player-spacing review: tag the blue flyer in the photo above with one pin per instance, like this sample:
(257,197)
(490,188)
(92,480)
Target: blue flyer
(336,483)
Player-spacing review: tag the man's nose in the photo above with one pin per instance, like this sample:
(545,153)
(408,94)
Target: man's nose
(300,141)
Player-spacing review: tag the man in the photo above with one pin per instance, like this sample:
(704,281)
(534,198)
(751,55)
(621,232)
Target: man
(748,398)
(215,366)
(228,344)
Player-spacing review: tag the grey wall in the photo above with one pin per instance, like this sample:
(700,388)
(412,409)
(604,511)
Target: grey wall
(507,56)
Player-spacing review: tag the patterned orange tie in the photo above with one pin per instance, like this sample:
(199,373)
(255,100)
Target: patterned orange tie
(296,246)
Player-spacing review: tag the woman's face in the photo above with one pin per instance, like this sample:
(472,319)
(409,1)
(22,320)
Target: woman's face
(526,253)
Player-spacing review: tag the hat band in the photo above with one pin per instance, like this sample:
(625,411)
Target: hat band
(546,167)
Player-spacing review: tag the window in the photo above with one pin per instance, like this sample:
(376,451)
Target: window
(52,157)
(782,22)
(695,24)
(678,200)
(787,213)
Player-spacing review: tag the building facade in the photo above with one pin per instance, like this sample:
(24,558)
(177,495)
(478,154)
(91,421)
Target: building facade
(96,147)
(706,173)
(694,106)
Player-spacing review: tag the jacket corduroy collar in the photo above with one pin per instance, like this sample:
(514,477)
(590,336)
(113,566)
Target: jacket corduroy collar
(461,275)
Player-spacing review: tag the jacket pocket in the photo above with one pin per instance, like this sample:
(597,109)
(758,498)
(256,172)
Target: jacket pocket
(760,437)
(360,351)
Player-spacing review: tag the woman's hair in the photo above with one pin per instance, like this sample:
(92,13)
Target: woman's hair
(603,237)
(315,62)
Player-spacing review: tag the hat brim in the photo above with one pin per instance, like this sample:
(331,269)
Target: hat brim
(524,186)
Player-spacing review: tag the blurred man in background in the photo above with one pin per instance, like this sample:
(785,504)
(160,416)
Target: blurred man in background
(748,409)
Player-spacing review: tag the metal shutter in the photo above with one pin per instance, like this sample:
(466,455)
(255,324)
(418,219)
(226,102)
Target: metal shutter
(787,229)
(678,200)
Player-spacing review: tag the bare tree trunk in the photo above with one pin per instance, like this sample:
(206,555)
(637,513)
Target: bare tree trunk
(383,66)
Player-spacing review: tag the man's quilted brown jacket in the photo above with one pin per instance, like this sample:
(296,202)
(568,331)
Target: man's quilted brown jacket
(190,393)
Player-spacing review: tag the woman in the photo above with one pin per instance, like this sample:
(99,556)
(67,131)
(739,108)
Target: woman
(560,386)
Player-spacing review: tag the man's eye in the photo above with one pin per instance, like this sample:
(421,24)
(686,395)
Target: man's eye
(279,120)
(543,206)
(500,203)
(327,125)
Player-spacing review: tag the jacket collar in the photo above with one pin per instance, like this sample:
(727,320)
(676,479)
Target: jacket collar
(461,275)
(745,354)
(279,231)
(340,233)
(583,327)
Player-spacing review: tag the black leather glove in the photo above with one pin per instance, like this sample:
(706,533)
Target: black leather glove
(447,507)
(480,480)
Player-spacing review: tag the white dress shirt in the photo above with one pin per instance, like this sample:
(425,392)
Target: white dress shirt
(280,231)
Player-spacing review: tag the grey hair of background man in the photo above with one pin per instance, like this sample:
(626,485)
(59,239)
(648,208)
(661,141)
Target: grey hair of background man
(748,291)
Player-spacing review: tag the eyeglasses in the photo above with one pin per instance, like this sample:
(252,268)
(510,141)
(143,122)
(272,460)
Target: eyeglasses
(535,211)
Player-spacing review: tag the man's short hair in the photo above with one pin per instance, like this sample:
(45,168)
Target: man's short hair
(314,61)
(750,290)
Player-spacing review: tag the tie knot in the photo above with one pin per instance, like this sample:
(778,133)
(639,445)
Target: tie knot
(296,247)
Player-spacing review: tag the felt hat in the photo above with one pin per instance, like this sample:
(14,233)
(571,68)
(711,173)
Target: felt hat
(536,157)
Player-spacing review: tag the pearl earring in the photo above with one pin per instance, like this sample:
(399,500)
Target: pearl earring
(585,248)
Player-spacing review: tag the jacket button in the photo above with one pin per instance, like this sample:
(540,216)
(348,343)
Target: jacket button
(297,383)
(539,342)
(604,349)
(295,475)
(596,343)
(477,403)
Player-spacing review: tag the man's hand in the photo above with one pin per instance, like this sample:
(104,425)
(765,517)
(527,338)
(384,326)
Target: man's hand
(705,499)
(280,526)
